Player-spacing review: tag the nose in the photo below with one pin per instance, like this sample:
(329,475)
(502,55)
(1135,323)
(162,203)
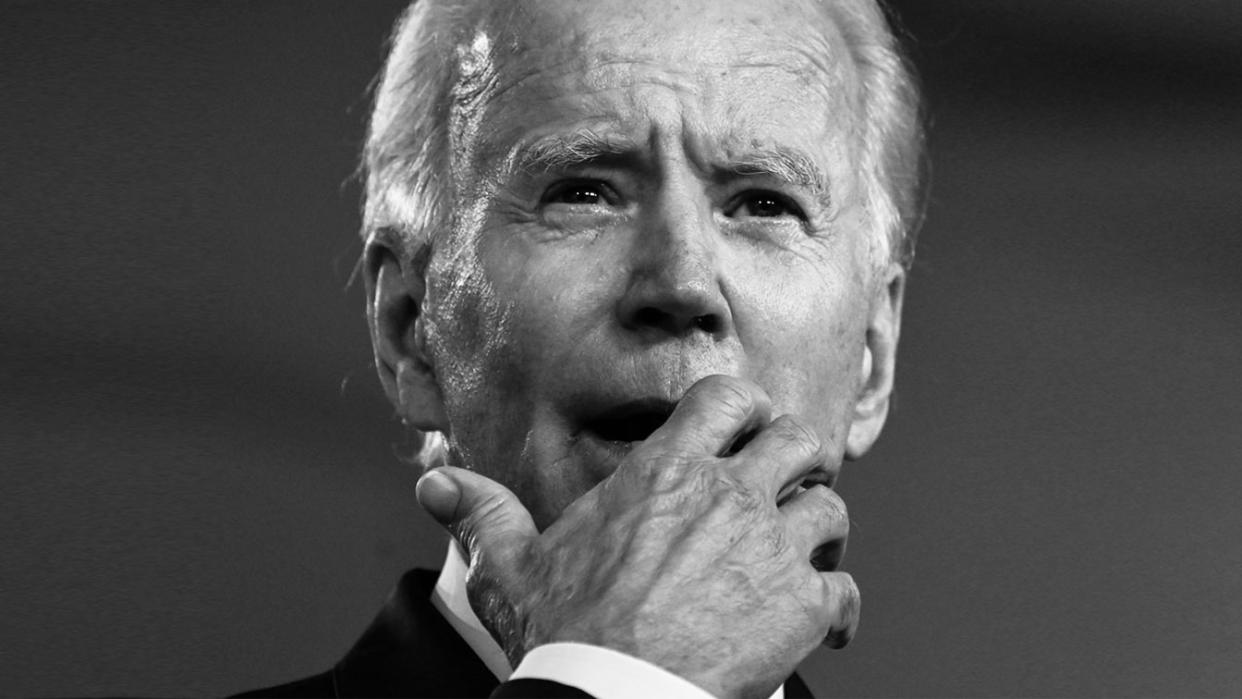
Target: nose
(674,288)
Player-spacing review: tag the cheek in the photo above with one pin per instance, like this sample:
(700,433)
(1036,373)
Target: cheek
(506,316)
(556,294)
(804,333)
(464,320)
(469,330)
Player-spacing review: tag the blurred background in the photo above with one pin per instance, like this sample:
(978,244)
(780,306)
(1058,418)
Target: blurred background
(201,484)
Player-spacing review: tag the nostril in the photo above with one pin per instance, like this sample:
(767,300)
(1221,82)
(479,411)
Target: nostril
(650,316)
(654,317)
(677,324)
(709,324)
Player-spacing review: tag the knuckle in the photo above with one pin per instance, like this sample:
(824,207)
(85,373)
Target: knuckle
(797,433)
(828,501)
(744,499)
(490,508)
(730,494)
(851,599)
(488,511)
(731,395)
(846,603)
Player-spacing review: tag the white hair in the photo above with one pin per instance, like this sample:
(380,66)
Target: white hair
(889,128)
(432,73)
(407,161)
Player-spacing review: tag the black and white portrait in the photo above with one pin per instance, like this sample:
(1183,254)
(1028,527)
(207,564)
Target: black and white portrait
(683,348)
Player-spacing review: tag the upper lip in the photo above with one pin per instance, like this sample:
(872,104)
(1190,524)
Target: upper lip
(635,420)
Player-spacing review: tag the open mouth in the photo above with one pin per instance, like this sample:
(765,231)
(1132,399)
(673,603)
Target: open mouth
(630,422)
(621,427)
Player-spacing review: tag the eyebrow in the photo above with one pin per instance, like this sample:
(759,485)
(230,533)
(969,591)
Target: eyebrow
(783,164)
(581,147)
(564,151)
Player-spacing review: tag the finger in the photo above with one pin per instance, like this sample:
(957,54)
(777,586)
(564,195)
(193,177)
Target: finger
(781,454)
(713,414)
(485,517)
(841,605)
(818,520)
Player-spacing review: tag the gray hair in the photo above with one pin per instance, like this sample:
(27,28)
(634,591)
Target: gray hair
(407,161)
(889,126)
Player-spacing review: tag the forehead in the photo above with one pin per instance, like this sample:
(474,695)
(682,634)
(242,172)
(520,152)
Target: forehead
(687,30)
(736,74)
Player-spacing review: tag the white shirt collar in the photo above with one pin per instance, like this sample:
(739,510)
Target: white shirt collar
(449,597)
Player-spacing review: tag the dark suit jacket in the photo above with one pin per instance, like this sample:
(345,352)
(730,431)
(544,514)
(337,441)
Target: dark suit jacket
(410,628)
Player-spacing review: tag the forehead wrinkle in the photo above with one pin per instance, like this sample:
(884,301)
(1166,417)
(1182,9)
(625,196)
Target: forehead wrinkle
(813,58)
(603,135)
(595,77)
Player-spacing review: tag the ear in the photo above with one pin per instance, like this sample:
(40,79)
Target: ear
(396,286)
(879,363)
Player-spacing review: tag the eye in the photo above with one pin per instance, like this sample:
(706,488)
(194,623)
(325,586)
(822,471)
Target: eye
(579,193)
(763,204)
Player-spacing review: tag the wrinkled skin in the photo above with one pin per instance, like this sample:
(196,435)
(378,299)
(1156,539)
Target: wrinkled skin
(682,557)
(623,235)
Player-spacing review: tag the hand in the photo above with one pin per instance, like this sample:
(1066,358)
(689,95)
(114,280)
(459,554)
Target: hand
(682,557)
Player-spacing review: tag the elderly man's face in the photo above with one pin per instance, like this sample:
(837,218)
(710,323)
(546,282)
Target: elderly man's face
(652,192)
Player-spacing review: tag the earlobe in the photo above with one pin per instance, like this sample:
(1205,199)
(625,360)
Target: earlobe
(395,291)
(878,365)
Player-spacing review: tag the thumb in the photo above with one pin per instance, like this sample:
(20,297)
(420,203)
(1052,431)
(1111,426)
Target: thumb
(485,517)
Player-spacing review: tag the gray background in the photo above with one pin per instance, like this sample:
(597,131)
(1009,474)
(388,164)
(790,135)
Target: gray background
(201,490)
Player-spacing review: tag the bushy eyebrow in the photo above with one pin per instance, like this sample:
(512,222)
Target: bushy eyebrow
(581,147)
(564,151)
(781,164)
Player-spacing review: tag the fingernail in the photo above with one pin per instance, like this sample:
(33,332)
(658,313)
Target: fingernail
(438,495)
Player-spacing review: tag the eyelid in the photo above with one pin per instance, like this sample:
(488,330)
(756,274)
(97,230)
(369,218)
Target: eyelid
(608,194)
(786,200)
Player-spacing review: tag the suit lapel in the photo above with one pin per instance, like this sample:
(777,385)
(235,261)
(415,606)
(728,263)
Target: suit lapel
(410,650)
